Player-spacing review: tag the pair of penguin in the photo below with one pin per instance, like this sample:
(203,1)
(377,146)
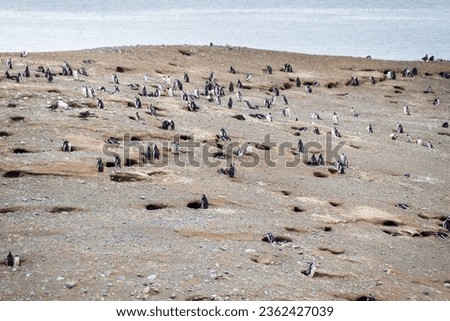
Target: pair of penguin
(12,261)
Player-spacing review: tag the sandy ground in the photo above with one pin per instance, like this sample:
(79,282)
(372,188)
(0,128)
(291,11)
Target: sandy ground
(128,233)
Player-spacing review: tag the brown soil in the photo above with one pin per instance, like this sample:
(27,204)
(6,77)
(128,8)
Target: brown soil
(136,233)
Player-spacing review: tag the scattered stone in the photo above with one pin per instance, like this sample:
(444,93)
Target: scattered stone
(59,278)
(146,290)
(447,285)
(70,284)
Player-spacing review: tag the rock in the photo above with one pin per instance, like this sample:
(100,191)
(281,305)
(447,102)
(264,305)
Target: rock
(447,285)
(151,277)
(60,278)
(70,284)
(24,199)
(146,290)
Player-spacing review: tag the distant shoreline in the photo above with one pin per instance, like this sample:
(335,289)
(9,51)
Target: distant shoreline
(229,47)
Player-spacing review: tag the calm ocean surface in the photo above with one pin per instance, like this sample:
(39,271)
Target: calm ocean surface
(397,30)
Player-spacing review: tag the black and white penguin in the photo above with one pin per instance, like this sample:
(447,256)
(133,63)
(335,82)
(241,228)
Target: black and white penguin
(175,147)
(320,160)
(100,166)
(232,170)
(270,238)
(335,132)
(311,270)
(446,224)
(298,82)
(168,123)
(285,100)
(308,89)
(10,260)
(436,101)
(335,118)
(117,161)
(406,109)
(232,71)
(137,102)
(369,129)
(100,104)
(204,203)
(115,79)
(399,128)
(66,146)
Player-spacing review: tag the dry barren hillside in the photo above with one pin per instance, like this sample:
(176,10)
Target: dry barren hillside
(137,232)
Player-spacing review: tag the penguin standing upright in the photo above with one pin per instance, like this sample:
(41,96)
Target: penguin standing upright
(204,203)
(10,260)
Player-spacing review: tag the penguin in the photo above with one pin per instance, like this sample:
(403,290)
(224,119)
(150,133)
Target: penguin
(248,149)
(335,118)
(149,152)
(10,260)
(146,78)
(446,224)
(223,134)
(340,168)
(230,103)
(117,161)
(239,84)
(16,263)
(399,128)
(369,129)
(430,145)
(100,166)
(298,82)
(436,101)
(336,132)
(50,77)
(425,58)
(285,100)
(212,76)
(186,77)
(344,160)
(286,112)
(276,91)
(66,146)
(313,160)
(300,146)
(231,87)
(204,203)
(320,160)
(372,80)
(239,95)
(175,147)
(26,72)
(248,76)
(316,130)
(137,102)
(445,124)
(232,71)
(408,138)
(406,110)
(308,89)
(270,238)
(232,170)
(156,152)
(115,79)
(100,104)
(311,270)
(354,113)
(315,116)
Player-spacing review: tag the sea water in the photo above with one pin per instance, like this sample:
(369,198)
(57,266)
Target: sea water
(383,29)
